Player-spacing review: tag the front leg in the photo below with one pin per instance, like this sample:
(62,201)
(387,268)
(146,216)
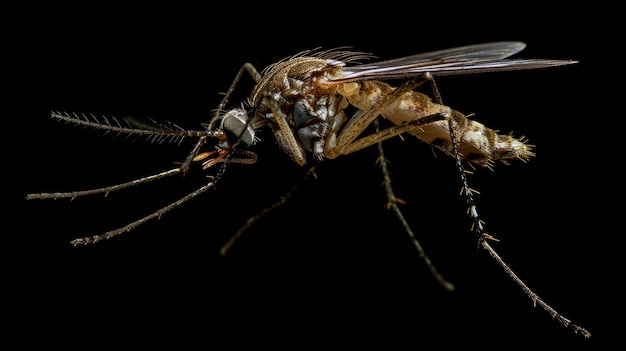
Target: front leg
(283,133)
(251,70)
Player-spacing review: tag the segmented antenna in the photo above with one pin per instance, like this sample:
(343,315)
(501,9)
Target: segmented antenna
(153,131)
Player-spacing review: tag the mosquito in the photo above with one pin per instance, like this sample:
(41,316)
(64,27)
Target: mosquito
(305,101)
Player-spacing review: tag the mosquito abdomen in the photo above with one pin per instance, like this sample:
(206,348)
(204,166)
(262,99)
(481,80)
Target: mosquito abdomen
(477,143)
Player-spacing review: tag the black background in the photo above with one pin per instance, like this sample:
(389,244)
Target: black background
(332,267)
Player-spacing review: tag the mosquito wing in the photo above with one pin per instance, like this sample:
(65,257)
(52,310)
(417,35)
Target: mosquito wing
(488,57)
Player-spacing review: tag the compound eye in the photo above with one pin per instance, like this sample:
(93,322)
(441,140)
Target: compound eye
(235,122)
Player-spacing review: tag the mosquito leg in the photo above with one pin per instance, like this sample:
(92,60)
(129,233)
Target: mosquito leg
(284,134)
(433,86)
(105,190)
(133,225)
(247,67)
(393,205)
(382,135)
(226,247)
(532,295)
(184,167)
(483,237)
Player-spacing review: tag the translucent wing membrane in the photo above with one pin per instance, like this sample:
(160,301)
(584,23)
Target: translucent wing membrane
(489,57)
(485,51)
(153,131)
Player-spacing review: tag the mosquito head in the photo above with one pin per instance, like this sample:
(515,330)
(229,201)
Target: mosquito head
(236,125)
(237,131)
